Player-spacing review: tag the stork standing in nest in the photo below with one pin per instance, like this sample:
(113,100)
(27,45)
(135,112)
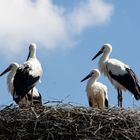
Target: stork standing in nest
(119,74)
(96,91)
(12,68)
(27,75)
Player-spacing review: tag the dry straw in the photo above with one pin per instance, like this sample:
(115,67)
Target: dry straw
(68,122)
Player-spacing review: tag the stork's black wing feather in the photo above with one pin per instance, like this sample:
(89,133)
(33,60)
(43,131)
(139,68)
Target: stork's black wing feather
(129,81)
(23,81)
(90,103)
(106,102)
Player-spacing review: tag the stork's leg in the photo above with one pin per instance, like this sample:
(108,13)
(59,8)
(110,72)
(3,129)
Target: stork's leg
(32,97)
(119,98)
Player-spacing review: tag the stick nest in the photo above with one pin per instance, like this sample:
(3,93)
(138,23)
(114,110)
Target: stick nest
(68,122)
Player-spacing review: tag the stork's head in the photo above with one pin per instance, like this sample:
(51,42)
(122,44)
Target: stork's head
(94,73)
(32,51)
(106,48)
(12,67)
(32,47)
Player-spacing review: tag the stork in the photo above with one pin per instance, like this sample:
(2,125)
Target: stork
(120,75)
(27,74)
(12,68)
(96,91)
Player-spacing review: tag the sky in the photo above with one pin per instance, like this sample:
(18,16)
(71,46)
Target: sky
(68,34)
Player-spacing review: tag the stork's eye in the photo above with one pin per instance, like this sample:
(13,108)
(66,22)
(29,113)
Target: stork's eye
(92,73)
(11,66)
(103,48)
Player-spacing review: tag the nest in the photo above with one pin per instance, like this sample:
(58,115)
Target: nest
(68,122)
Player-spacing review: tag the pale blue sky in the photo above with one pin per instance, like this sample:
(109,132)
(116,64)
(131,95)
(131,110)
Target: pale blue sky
(66,47)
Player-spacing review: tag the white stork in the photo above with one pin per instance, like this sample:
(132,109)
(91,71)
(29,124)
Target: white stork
(27,99)
(119,74)
(96,91)
(27,75)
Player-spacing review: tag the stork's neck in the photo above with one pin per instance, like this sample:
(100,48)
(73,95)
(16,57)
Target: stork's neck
(102,61)
(92,80)
(32,54)
(10,81)
(105,56)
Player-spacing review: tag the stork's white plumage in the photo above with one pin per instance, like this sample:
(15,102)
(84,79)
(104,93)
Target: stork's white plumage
(27,75)
(96,91)
(119,74)
(25,100)
(12,68)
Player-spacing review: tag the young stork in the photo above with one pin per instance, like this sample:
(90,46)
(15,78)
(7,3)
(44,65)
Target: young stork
(12,68)
(96,91)
(119,74)
(27,74)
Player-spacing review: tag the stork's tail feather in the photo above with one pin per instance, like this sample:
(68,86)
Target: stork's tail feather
(16,98)
(37,100)
(137,96)
(136,92)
